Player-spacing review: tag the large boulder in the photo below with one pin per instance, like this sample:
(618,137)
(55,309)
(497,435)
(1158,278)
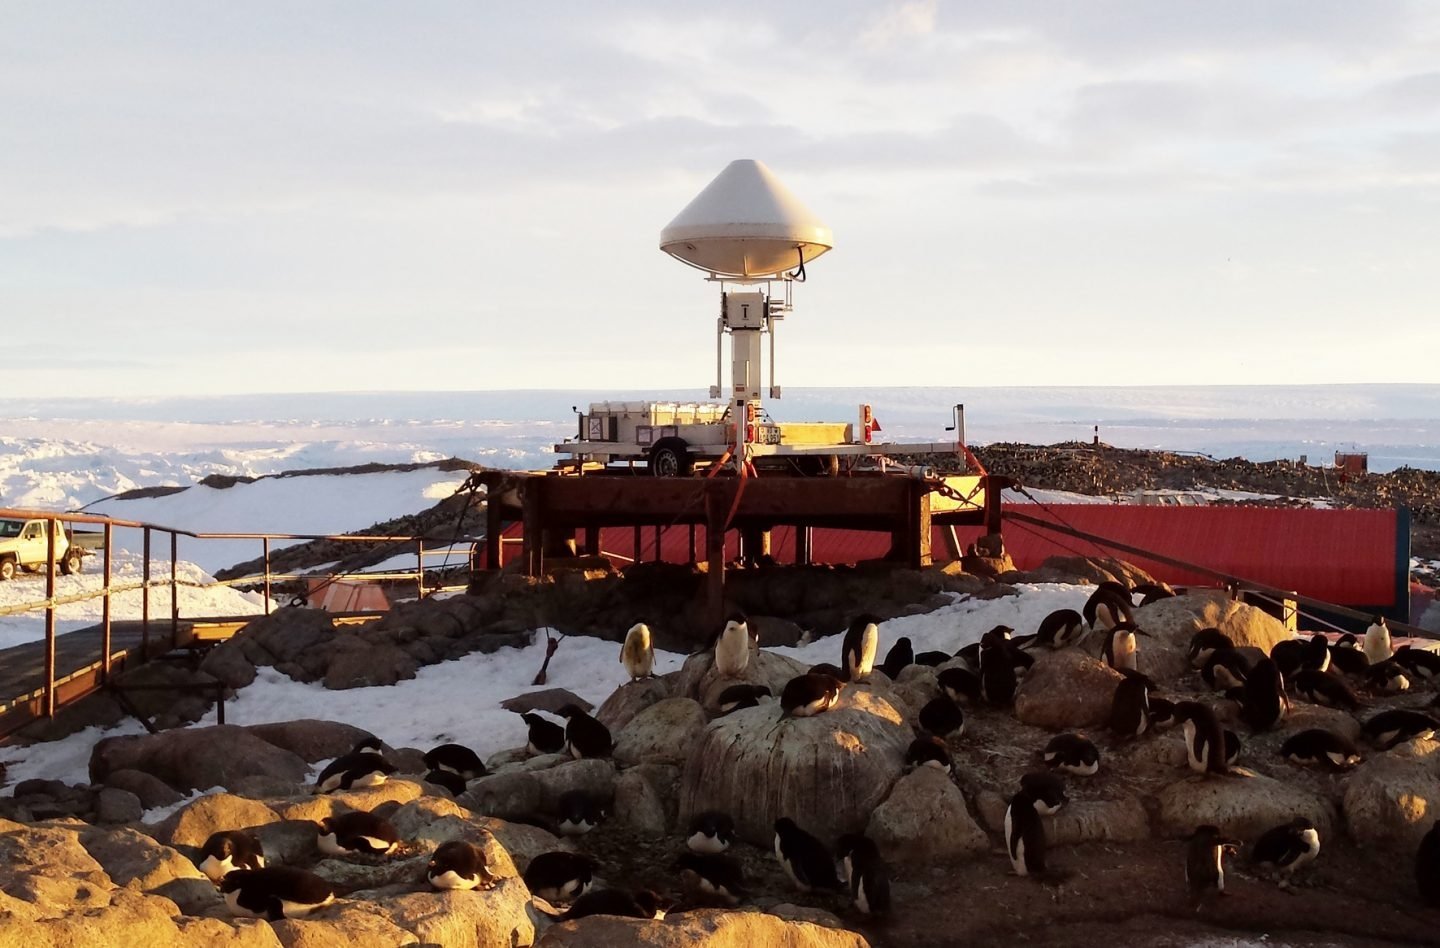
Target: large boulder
(46,872)
(128,856)
(527,794)
(150,791)
(828,771)
(479,919)
(1392,799)
(1242,804)
(1066,689)
(1079,821)
(125,918)
(661,734)
(1172,622)
(196,758)
(924,819)
(698,678)
(706,928)
(631,698)
(394,791)
(195,822)
(310,739)
(646,797)
(343,926)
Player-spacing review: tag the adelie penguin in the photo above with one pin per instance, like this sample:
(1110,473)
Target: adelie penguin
(1419,663)
(943,717)
(1072,754)
(1152,592)
(1024,829)
(1321,687)
(1349,660)
(1205,861)
(1060,629)
(928,751)
(458,865)
(1316,746)
(711,832)
(961,685)
(739,697)
(857,655)
(1204,643)
(358,833)
(997,671)
(1292,655)
(1226,668)
(866,875)
(1048,790)
(803,857)
(1162,713)
(1427,867)
(637,654)
(452,783)
(457,759)
(1109,605)
(639,904)
(809,694)
(932,658)
(711,878)
(578,812)
(229,850)
(1120,647)
(275,892)
(364,766)
(1204,738)
(1284,849)
(544,736)
(1264,701)
(559,876)
(1398,725)
(1388,677)
(585,736)
(732,647)
(1130,708)
(1377,641)
(902,653)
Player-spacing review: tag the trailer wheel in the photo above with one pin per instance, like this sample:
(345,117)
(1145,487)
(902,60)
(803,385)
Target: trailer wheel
(7,569)
(670,458)
(72,563)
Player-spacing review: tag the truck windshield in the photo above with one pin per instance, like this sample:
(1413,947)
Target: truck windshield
(10,528)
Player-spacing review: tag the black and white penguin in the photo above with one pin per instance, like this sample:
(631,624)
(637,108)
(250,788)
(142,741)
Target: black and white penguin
(1072,754)
(1204,643)
(1109,605)
(902,653)
(275,892)
(1120,649)
(803,857)
(1377,641)
(1205,860)
(1398,725)
(544,736)
(826,668)
(866,875)
(1233,747)
(1020,660)
(1318,746)
(932,658)
(732,647)
(457,759)
(559,876)
(229,850)
(1349,660)
(364,766)
(928,751)
(1388,677)
(857,655)
(637,654)
(738,697)
(961,685)
(711,832)
(1293,655)
(641,903)
(1419,663)
(1152,592)
(997,671)
(1060,629)
(453,783)
(1162,713)
(1226,668)
(1204,738)
(809,694)
(1130,708)
(711,878)
(457,865)
(1427,867)
(358,833)
(943,717)
(1325,688)
(1025,834)
(970,656)
(585,736)
(578,812)
(1047,789)
(1286,848)
(1264,701)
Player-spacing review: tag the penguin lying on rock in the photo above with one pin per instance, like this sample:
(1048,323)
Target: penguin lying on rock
(364,766)
(711,832)
(1320,747)
(809,694)
(358,833)
(559,876)
(275,892)
(228,850)
(711,878)
(458,865)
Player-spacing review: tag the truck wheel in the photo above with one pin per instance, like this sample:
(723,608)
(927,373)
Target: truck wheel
(29,568)
(7,569)
(670,458)
(72,563)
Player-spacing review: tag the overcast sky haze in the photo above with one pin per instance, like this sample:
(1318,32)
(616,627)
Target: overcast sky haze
(202,198)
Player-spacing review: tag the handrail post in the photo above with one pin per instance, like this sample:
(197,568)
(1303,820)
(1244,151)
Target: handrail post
(265,545)
(420,567)
(105,643)
(174,589)
(145,603)
(50,540)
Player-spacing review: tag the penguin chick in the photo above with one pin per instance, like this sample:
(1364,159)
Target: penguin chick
(809,694)
(711,832)
(732,647)
(1072,754)
(585,736)
(458,865)
(544,737)
(1286,848)
(711,878)
(866,875)
(228,850)
(803,857)
(857,655)
(637,654)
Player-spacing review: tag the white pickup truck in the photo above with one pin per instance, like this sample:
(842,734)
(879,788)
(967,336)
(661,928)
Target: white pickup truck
(23,547)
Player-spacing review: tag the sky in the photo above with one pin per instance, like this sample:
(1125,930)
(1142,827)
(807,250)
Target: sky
(201,198)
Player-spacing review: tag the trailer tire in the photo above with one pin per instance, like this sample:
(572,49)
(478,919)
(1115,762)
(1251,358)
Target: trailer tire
(7,568)
(670,457)
(72,563)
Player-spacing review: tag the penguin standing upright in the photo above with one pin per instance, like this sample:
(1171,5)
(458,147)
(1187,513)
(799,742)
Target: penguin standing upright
(997,670)
(585,736)
(803,857)
(732,647)
(1025,834)
(1120,647)
(1377,641)
(865,873)
(901,654)
(275,892)
(1130,708)
(1264,701)
(228,850)
(1205,860)
(857,656)
(1060,628)
(637,654)
(457,865)
(544,737)
(1286,848)
(1204,738)
(1427,867)
(1295,655)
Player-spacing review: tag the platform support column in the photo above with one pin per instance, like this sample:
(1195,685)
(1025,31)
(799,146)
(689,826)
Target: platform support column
(754,543)
(716,510)
(533,546)
(592,540)
(804,543)
(494,535)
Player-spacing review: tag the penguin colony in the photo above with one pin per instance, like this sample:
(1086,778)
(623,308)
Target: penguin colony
(983,674)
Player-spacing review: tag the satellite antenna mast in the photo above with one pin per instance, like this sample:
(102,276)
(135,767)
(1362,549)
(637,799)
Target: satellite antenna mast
(747,231)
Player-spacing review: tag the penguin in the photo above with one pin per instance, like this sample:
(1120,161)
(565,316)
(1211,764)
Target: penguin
(943,717)
(1317,746)
(1321,687)
(803,857)
(1387,677)
(1264,701)
(1377,641)
(928,751)
(544,737)
(1152,592)
(453,783)
(961,685)
(364,766)
(1204,738)
(585,736)
(229,850)
(559,876)
(732,647)
(1348,660)
(1419,663)
(1061,628)
(1119,649)
(711,832)
(931,659)
(1162,713)
(826,668)
(1427,867)
(458,865)
(1048,791)
(275,892)
(1205,860)
(1204,643)
(1226,668)
(1109,605)
(997,672)
(713,878)
(809,694)
(579,812)
(970,656)
(1293,655)
(1072,754)
(1020,660)
(637,654)
(457,759)
(736,697)
(866,875)
(357,833)
(639,904)
(902,653)
(1025,834)
(1398,725)
(1348,640)
(1130,708)
(1284,849)
(857,655)
(1233,747)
